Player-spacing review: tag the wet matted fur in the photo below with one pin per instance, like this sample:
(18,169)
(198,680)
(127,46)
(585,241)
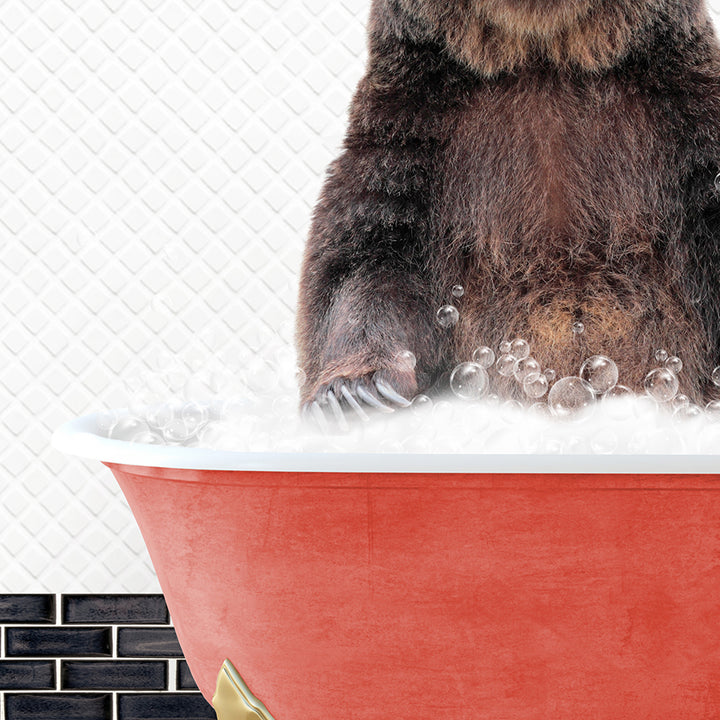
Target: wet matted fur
(554,157)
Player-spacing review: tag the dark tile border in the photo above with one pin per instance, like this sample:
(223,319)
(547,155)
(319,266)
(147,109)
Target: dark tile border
(93,657)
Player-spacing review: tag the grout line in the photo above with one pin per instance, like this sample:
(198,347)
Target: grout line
(113,640)
(58,670)
(2,642)
(114,709)
(58,612)
(172,676)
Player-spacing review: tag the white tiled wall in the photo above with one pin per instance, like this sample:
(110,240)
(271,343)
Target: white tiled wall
(159,161)
(158,166)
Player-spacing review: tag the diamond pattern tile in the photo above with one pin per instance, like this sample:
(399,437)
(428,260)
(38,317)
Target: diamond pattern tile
(159,160)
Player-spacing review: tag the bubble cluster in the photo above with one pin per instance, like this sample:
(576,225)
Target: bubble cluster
(501,399)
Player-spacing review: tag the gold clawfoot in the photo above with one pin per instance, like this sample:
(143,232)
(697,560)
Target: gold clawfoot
(233,700)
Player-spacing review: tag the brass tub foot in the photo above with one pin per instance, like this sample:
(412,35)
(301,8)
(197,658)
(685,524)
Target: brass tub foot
(233,700)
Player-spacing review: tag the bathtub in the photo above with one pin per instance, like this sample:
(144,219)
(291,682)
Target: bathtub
(352,587)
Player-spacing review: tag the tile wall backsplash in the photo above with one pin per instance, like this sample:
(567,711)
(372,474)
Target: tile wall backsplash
(93,657)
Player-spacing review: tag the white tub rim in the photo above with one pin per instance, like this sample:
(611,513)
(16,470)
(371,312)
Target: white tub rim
(81,437)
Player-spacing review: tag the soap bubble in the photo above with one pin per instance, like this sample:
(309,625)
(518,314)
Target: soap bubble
(717,182)
(661,355)
(421,403)
(469,381)
(536,387)
(106,421)
(484,356)
(405,360)
(716,376)
(550,374)
(505,347)
(178,431)
(527,369)
(519,348)
(661,384)
(578,328)
(600,372)
(674,364)
(447,316)
(679,401)
(128,427)
(194,415)
(506,365)
(689,412)
(569,396)
(160,416)
(458,291)
(712,410)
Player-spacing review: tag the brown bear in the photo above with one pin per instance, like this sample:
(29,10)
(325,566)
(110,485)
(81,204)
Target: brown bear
(556,158)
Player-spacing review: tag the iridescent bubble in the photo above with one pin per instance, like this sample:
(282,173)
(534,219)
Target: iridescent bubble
(536,387)
(458,291)
(469,381)
(506,365)
(680,401)
(600,372)
(674,364)
(570,396)
(484,356)
(447,316)
(717,182)
(716,376)
(661,384)
(661,355)
(405,360)
(527,369)
(520,348)
(504,347)
(550,375)
(578,328)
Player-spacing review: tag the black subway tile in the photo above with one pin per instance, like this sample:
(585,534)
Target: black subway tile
(185,680)
(58,706)
(168,706)
(58,642)
(148,642)
(113,675)
(16,609)
(120,609)
(27,675)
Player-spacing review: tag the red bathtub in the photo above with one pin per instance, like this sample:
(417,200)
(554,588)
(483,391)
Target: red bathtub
(410,586)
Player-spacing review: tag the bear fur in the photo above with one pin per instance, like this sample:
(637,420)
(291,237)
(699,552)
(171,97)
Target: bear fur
(556,158)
